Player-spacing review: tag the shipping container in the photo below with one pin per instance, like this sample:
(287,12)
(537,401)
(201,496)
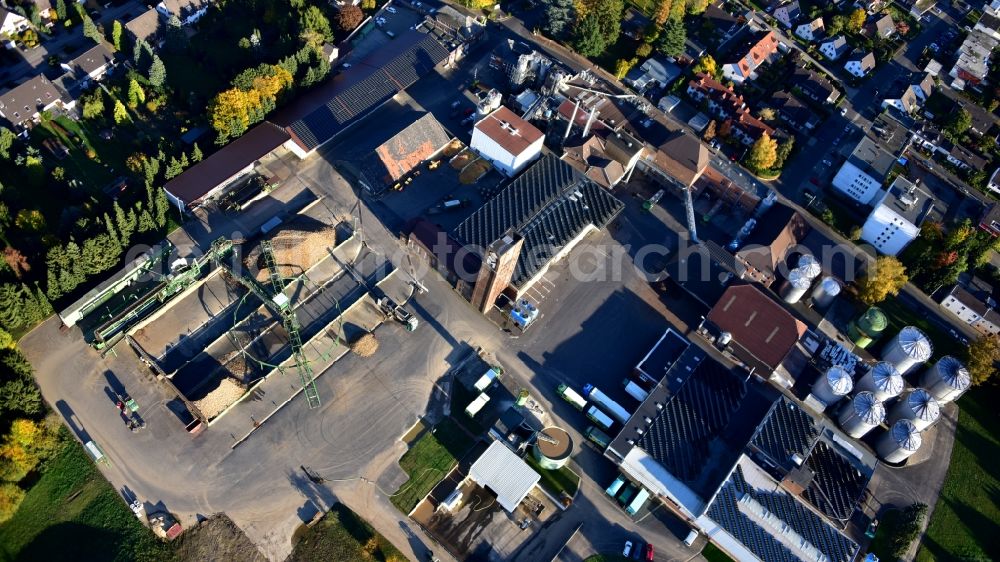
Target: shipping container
(598,437)
(572,396)
(616,486)
(595,395)
(634,390)
(600,418)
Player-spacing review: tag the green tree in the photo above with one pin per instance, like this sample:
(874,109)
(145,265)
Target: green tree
(146,222)
(26,444)
(173,169)
(835,25)
(135,94)
(196,154)
(981,357)
(11,496)
(157,72)
(90,30)
(121,114)
(763,153)
(116,35)
(176,40)
(609,17)
(93,104)
(557,17)
(124,225)
(20,395)
(696,7)
(784,151)
(588,41)
(7,138)
(885,277)
(959,122)
(312,19)
(673,38)
(60,7)
(368,5)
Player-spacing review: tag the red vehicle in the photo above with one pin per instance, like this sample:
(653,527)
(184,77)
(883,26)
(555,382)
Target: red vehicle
(648,552)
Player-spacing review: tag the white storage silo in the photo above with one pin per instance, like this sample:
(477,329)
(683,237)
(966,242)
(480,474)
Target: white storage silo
(946,380)
(861,414)
(825,292)
(909,348)
(882,380)
(901,441)
(833,385)
(809,267)
(797,285)
(919,407)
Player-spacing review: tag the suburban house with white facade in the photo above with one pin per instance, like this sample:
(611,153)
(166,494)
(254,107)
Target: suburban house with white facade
(895,221)
(835,47)
(22,104)
(188,11)
(811,31)
(93,64)
(974,311)
(862,175)
(507,140)
(788,14)
(860,64)
(12,23)
(913,97)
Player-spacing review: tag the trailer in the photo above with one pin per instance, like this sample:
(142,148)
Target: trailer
(638,501)
(634,390)
(627,494)
(600,418)
(615,486)
(595,395)
(572,396)
(599,438)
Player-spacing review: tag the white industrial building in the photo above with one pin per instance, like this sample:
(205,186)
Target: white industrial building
(895,221)
(861,176)
(507,140)
(507,475)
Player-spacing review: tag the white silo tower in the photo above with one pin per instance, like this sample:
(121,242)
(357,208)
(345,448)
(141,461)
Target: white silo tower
(901,441)
(861,414)
(946,380)
(909,348)
(919,407)
(833,385)
(882,380)
(809,266)
(825,292)
(797,285)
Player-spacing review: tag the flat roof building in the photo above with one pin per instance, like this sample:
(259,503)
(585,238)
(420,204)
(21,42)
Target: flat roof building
(505,474)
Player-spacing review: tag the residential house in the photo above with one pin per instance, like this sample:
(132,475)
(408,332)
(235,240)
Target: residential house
(11,22)
(862,175)
(147,26)
(757,51)
(870,6)
(591,158)
(884,27)
(931,139)
(794,112)
(93,64)
(964,158)
(815,86)
(913,97)
(896,219)
(990,221)
(788,14)
(989,24)
(45,10)
(748,128)
(975,310)
(655,72)
(188,11)
(860,64)
(22,104)
(392,160)
(724,26)
(728,106)
(972,65)
(507,140)
(811,31)
(835,47)
(779,231)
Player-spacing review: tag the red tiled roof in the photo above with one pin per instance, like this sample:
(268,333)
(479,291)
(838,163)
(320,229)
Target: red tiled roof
(508,130)
(757,323)
(759,52)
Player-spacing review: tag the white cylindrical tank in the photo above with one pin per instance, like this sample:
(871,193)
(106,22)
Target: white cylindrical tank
(946,380)
(809,266)
(919,407)
(553,448)
(833,385)
(796,286)
(861,414)
(825,292)
(882,380)
(909,348)
(901,441)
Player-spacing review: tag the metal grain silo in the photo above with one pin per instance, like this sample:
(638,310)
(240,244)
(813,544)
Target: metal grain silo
(946,380)
(919,407)
(861,414)
(825,292)
(797,285)
(809,266)
(868,328)
(882,380)
(902,440)
(909,348)
(833,385)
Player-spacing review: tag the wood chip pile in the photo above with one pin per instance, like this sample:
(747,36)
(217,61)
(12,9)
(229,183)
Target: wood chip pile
(295,251)
(228,392)
(365,346)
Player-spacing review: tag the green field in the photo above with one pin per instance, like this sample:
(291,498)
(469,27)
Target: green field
(429,460)
(713,554)
(555,481)
(72,513)
(965,524)
(342,535)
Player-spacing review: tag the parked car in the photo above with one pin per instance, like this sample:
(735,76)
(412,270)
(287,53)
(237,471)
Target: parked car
(628,549)
(843,111)
(649,552)
(692,536)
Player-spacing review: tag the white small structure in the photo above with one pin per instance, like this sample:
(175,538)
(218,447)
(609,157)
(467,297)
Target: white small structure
(860,64)
(832,386)
(811,31)
(909,348)
(919,407)
(882,380)
(946,380)
(505,474)
(824,293)
(861,415)
(506,140)
(899,443)
(796,287)
(895,221)
(477,404)
(835,47)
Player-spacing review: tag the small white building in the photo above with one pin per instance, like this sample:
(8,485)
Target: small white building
(971,310)
(507,140)
(811,31)
(188,11)
(860,64)
(895,221)
(862,175)
(499,470)
(788,14)
(835,47)
(12,23)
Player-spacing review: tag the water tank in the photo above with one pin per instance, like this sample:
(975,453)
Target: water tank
(809,266)
(861,414)
(833,385)
(796,286)
(882,380)
(909,348)
(946,380)
(901,441)
(868,328)
(553,446)
(825,292)
(919,407)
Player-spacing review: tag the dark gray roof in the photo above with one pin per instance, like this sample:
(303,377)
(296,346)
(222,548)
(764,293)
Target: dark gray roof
(653,70)
(325,112)
(908,201)
(871,159)
(793,110)
(725,510)
(837,486)
(146,26)
(549,205)
(92,59)
(814,84)
(21,102)
(786,430)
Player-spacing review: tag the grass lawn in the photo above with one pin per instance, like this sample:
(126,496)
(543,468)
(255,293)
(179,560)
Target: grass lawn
(555,481)
(72,513)
(713,554)
(342,535)
(965,524)
(429,460)
(606,557)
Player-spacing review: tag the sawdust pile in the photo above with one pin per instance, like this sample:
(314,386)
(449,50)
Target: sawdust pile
(365,346)
(294,251)
(216,538)
(228,392)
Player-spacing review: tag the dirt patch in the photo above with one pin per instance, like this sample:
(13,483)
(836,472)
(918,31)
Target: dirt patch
(463,159)
(452,149)
(473,172)
(365,346)
(216,539)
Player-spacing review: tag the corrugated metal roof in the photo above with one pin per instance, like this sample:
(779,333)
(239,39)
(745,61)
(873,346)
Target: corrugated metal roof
(506,474)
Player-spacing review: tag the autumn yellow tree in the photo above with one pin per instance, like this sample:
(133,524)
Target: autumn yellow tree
(25,445)
(662,12)
(884,277)
(763,153)
(232,111)
(623,66)
(981,357)
(10,498)
(707,65)
(856,20)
